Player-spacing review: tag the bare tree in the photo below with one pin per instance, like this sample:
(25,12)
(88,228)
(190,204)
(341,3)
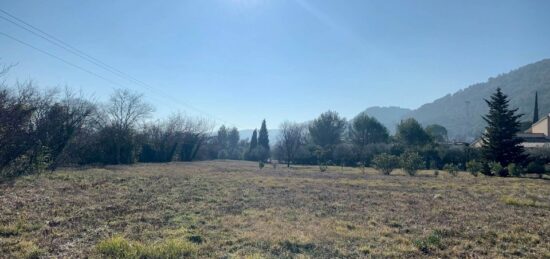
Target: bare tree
(191,133)
(64,120)
(292,136)
(127,108)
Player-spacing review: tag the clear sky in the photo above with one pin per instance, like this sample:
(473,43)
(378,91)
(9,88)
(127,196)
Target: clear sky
(245,60)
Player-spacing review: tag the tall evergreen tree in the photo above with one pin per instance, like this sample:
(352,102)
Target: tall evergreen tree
(254,140)
(536,111)
(500,142)
(263,138)
(263,142)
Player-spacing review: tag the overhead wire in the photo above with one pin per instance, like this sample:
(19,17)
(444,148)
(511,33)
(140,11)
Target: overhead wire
(67,47)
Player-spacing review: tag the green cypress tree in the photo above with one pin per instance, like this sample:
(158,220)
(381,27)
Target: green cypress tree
(536,111)
(263,141)
(263,138)
(253,141)
(500,143)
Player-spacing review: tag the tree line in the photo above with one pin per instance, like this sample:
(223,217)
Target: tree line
(43,129)
(363,141)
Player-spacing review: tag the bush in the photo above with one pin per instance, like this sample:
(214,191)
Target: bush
(432,242)
(486,168)
(515,170)
(436,173)
(452,169)
(474,167)
(385,163)
(542,155)
(498,169)
(323,167)
(536,167)
(411,162)
(261,164)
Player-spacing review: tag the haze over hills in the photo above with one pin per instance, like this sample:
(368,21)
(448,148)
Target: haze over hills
(389,116)
(461,112)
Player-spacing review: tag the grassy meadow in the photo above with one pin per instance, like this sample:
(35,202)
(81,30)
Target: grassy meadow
(231,209)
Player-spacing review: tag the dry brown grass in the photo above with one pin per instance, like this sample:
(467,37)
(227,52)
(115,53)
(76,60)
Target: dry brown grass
(233,209)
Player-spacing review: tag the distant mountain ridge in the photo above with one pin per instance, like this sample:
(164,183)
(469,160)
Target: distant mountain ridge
(388,116)
(461,112)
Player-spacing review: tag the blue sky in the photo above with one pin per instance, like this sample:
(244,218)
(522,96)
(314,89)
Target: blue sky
(245,60)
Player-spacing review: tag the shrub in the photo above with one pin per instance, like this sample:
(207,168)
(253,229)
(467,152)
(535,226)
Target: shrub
(535,167)
(431,242)
(497,169)
(542,155)
(323,167)
(411,162)
(474,167)
(261,164)
(452,169)
(385,163)
(515,170)
(436,173)
(485,168)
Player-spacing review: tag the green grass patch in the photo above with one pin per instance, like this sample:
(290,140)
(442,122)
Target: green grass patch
(431,242)
(119,247)
(9,230)
(522,202)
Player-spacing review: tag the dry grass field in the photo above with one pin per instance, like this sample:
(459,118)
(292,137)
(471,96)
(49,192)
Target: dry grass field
(229,209)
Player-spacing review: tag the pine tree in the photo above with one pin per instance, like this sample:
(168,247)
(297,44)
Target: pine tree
(536,111)
(253,141)
(500,143)
(263,142)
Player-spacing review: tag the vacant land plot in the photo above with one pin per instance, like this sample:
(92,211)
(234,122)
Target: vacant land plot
(233,209)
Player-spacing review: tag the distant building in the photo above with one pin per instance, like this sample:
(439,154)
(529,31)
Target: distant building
(540,127)
(537,136)
(477,143)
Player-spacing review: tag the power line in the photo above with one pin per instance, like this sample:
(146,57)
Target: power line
(67,47)
(60,59)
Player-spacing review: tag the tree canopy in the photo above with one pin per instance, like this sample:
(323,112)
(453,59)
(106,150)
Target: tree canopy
(437,132)
(326,131)
(411,133)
